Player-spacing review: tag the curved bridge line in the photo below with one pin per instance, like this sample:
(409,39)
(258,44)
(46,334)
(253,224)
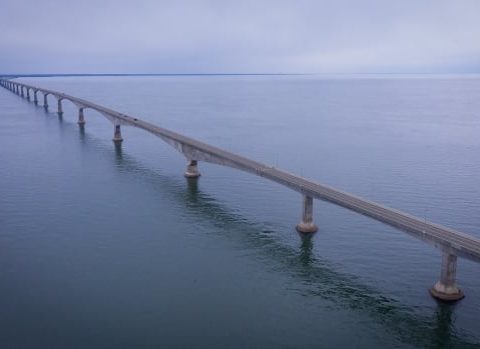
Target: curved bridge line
(451,242)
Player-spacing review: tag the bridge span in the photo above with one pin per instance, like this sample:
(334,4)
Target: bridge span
(452,243)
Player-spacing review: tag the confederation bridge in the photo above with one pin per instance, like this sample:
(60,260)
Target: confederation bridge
(452,243)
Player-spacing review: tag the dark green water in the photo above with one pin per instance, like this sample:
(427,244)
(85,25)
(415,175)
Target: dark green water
(105,247)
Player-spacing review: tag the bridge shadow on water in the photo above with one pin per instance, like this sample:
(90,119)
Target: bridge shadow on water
(316,277)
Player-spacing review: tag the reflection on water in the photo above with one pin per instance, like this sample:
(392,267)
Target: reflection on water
(306,248)
(81,131)
(444,331)
(118,152)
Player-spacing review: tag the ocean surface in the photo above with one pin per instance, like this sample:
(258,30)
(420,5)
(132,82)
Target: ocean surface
(105,247)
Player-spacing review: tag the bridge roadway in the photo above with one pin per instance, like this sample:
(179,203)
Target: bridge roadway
(451,242)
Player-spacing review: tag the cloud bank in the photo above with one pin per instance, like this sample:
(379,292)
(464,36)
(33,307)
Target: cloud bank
(152,36)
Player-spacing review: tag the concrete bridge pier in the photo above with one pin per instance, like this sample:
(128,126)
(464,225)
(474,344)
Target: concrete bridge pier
(21,92)
(28,93)
(306,225)
(192,169)
(81,118)
(59,107)
(35,98)
(117,135)
(45,101)
(446,288)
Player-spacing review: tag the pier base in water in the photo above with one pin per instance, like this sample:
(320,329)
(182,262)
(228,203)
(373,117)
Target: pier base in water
(59,107)
(81,118)
(306,226)
(117,135)
(446,288)
(192,170)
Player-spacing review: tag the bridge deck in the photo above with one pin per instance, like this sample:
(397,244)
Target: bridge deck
(460,244)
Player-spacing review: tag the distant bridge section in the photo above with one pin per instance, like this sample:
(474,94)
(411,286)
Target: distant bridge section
(451,242)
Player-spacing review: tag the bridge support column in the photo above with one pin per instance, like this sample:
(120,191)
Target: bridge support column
(35,98)
(306,225)
(45,101)
(59,107)
(117,135)
(21,92)
(28,93)
(81,118)
(192,169)
(446,288)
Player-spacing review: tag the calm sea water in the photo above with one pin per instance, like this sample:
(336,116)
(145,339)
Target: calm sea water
(108,248)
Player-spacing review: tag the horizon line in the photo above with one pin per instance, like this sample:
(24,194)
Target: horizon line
(225,74)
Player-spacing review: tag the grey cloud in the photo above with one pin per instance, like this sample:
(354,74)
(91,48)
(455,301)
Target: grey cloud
(239,36)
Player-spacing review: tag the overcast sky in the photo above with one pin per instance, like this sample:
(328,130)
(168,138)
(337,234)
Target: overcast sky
(221,36)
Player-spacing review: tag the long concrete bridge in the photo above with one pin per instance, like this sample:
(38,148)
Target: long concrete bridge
(452,243)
